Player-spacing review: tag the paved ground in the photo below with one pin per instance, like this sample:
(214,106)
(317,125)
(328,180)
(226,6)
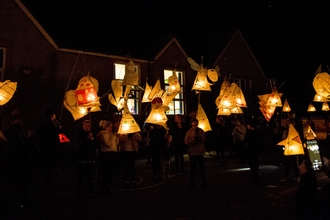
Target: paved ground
(229,195)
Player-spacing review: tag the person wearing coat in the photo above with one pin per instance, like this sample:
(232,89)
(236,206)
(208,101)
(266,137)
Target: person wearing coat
(194,139)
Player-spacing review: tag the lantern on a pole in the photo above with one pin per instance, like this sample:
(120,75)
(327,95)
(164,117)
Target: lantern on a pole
(292,144)
(157,114)
(84,99)
(128,124)
(203,74)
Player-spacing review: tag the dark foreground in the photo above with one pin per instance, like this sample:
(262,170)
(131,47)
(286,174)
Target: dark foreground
(229,194)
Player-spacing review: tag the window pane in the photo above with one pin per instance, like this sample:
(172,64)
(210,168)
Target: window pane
(119,71)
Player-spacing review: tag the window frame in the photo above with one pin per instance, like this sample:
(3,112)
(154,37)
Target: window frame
(179,98)
(135,91)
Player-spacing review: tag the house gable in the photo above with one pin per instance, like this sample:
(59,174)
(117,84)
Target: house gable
(238,61)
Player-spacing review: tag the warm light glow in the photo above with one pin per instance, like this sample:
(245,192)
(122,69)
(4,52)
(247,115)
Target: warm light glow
(286,106)
(226,103)
(311,108)
(325,107)
(292,144)
(158,117)
(320,98)
(7,90)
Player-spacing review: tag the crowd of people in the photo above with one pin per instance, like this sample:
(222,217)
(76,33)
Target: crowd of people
(98,152)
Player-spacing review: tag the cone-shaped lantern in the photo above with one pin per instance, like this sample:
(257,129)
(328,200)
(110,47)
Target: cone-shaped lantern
(203,121)
(292,144)
(311,108)
(7,90)
(325,106)
(157,114)
(286,106)
(128,124)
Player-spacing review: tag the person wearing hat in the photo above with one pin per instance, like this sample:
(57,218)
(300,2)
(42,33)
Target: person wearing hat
(252,138)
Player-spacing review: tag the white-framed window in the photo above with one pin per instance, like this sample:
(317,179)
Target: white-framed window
(177,105)
(2,63)
(244,84)
(133,97)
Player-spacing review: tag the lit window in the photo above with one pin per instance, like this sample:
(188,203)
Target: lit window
(177,105)
(133,97)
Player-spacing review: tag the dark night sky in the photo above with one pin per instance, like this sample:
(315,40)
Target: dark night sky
(290,39)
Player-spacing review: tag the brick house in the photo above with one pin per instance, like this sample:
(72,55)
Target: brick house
(44,71)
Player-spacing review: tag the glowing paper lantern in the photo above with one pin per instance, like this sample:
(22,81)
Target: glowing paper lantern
(269,102)
(230,99)
(156,91)
(321,84)
(319,98)
(7,90)
(203,121)
(286,106)
(128,124)
(131,76)
(274,98)
(86,91)
(325,106)
(117,98)
(173,82)
(311,108)
(63,138)
(201,83)
(292,144)
(157,114)
(146,93)
(84,99)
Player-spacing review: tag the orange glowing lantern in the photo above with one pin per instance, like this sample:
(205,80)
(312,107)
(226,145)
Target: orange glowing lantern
(292,144)
(311,108)
(7,90)
(203,121)
(128,124)
(321,84)
(84,99)
(86,91)
(286,106)
(325,106)
(201,81)
(157,114)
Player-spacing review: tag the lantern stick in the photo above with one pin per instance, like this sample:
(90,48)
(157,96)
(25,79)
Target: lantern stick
(67,86)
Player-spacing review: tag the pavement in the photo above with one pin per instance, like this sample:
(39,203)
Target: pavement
(229,194)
